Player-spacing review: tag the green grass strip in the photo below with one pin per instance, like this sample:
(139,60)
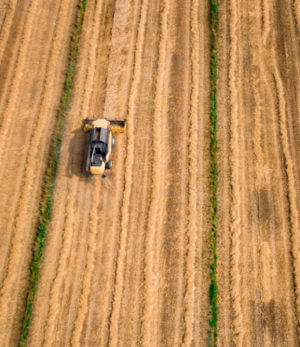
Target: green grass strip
(213,290)
(46,201)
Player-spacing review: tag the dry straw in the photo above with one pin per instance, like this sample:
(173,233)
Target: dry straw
(46,200)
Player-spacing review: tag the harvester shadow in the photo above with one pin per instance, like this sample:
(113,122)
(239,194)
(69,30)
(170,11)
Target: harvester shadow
(78,149)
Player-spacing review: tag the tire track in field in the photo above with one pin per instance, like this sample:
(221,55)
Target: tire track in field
(19,240)
(6,26)
(192,181)
(129,160)
(149,325)
(235,255)
(55,295)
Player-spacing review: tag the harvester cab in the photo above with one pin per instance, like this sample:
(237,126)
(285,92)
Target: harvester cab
(101,143)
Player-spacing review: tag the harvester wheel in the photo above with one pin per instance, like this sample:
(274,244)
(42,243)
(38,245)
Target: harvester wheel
(108,165)
(87,125)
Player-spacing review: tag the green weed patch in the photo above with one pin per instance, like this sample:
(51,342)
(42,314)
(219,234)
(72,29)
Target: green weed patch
(213,290)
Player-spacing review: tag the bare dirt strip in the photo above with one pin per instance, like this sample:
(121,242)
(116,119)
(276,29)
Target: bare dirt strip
(126,258)
(258,139)
(33,56)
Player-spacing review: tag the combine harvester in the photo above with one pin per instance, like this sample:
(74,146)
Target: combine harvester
(101,143)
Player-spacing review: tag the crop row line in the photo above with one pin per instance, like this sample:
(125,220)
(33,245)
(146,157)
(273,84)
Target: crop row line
(214,171)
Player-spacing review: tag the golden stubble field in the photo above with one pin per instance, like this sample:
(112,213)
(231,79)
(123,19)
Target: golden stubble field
(126,258)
